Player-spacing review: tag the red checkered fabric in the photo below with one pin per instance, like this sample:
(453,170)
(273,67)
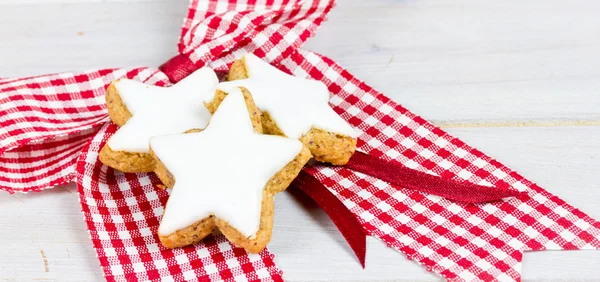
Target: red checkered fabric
(44,123)
(123,211)
(217,32)
(460,242)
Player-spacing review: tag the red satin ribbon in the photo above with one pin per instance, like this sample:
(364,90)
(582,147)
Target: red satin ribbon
(392,172)
(178,67)
(341,216)
(397,174)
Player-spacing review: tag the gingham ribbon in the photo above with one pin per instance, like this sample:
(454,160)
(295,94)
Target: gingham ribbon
(46,121)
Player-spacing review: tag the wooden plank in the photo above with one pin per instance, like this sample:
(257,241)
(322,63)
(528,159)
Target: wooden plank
(472,60)
(306,244)
(464,64)
(477,61)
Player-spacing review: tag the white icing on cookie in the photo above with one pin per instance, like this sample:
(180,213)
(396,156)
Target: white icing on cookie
(222,170)
(162,110)
(295,104)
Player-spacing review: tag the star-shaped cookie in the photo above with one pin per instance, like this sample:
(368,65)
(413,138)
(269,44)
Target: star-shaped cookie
(293,107)
(143,111)
(225,177)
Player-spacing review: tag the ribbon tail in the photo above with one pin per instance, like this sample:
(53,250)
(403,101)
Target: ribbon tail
(341,216)
(397,174)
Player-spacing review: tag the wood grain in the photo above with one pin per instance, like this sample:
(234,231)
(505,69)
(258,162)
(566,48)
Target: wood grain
(516,79)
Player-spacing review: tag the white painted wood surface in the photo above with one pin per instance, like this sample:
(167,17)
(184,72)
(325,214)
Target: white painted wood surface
(519,80)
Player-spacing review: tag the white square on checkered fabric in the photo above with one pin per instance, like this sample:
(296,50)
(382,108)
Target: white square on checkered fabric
(426,153)
(371,120)
(544,220)
(392,154)
(520,186)
(331,74)
(402,218)
(502,277)
(445,164)
(110,252)
(483,264)
(499,254)
(97,218)
(423,131)
(479,163)
(335,100)
(386,110)
(364,194)
(389,131)
(425,251)
(367,216)
(386,228)
(346,183)
(465,174)
(442,241)
(413,165)
(117,218)
(499,173)
(458,230)
(440,142)
(422,229)
(525,208)
(567,235)
(407,143)
(350,204)
(462,252)
(211,268)
(152,248)
(383,206)
(406,240)
(403,119)
(582,224)
(72,87)
(116,269)
(262,272)
(353,110)
(367,98)
(459,152)
(351,88)
(160,263)
(145,232)
(509,219)
(475,220)
(375,143)
(182,259)
(478,242)
(158,211)
(446,263)
(138,216)
(418,208)
(189,275)
(96,84)
(138,267)
(438,219)
(103,235)
(493,231)
(516,244)
(124,234)
(399,196)
(131,250)
(454,208)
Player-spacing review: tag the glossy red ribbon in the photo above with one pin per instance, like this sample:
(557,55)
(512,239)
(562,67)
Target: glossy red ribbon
(344,220)
(178,67)
(399,175)
(392,172)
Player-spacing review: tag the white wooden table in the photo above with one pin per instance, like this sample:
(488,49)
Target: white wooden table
(517,79)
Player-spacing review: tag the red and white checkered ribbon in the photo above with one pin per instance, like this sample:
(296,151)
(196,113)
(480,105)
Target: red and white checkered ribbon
(45,121)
